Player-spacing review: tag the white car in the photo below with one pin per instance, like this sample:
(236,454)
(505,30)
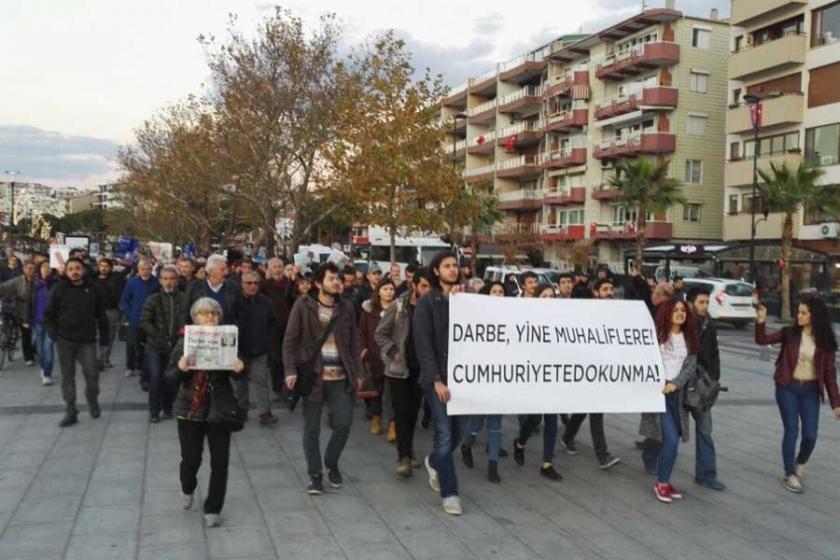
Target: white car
(731,301)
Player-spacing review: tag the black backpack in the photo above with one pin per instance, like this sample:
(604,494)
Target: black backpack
(701,393)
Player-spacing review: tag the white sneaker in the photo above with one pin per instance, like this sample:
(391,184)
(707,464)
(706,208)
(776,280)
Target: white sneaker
(792,483)
(45,381)
(434,481)
(799,470)
(187,500)
(452,505)
(30,363)
(211,519)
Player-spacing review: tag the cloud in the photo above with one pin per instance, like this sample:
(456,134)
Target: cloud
(55,159)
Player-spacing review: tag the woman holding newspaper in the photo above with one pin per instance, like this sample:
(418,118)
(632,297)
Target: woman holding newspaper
(202,410)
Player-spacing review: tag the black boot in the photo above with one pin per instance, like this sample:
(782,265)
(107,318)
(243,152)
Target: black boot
(70,417)
(493,472)
(466,454)
(95,410)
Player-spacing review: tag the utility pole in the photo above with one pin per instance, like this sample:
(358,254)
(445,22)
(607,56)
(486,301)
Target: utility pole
(13,174)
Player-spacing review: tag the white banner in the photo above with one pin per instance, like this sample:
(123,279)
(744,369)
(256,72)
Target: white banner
(539,356)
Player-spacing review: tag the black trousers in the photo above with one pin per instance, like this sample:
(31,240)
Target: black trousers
(406,396)
(596,429)
(191,434)
(26,343)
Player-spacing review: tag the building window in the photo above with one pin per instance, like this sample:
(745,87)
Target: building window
(697,125)
(693,171)
(698,82)
(747,204)
(773,145)
(691,213)
(735,151)
(733,204)
(826,23)
(822,145)
(575,217)
(792,26)
(701,38)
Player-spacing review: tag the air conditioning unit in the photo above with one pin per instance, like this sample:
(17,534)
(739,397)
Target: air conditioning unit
(607,164)
(830,230)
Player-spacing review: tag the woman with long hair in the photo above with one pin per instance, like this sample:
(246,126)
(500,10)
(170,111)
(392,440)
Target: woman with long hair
(678,343)
(805,373)
(372,311)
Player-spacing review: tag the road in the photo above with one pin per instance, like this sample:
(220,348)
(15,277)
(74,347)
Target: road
(108,489)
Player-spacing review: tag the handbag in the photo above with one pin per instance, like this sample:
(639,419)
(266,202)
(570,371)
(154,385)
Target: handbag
(370,387)
(701,393)
(224,409)
(306,374)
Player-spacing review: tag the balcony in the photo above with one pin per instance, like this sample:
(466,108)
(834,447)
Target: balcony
(459,149)
(776,111)
(564,197)
(554,232)
(562,159)
(484,84)
(638,59)
(658,231)
(566,120)
(510,232)
(523,199)
(457,96)
(743,11)
(650,97)
(605,192)
(526,100)
(645,143)
(523,68)
(522,168)
(521,135)
(482,144)
(484,112)
(572,84)
(787,51)
(480,173)
(740,172)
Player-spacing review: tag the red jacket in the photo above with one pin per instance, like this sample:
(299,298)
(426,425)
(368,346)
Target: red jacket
(788,356)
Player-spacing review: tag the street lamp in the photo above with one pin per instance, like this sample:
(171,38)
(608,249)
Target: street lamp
(14,174)
(455,118)
(754,102)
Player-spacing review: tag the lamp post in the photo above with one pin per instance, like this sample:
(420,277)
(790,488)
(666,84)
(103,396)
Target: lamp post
(755,107)
(455,118)
(14,174)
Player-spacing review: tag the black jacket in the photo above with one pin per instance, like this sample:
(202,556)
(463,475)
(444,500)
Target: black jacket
(111,289)
(75,311)
(162,318)
(257,325)
(200,288)
(183,382)
(709,354)
(431,336)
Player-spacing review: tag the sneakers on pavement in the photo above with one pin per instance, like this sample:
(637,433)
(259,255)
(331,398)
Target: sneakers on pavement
(376,425)
(154,417)
(452,505)
(69,419)
(46,381)
(392,432)
(608,462)
(569,446)
(30,362)
(212,519)
(404,469)
(467,456)
(799,471)
(792,483)
(518,453)
(675,494)
(267,419)
(95,410)
(663,493)
(550,473)
(434,481)
(187,500)
(335,478)
(129,373)
(316,486)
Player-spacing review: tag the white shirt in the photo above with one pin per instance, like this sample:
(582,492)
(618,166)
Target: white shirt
(674,353)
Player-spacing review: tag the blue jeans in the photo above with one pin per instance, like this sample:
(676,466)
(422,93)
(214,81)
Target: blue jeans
(44,348)
(797,402)
(705,466)
(447,436)
(530,423)
(160,393)
(494,433)
(670,424)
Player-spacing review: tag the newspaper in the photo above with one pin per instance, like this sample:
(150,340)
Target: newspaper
(211,347)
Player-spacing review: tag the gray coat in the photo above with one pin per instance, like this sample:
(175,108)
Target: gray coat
(649,426)
(392,336)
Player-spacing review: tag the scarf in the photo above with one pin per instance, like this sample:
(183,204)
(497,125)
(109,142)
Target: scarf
(200,380)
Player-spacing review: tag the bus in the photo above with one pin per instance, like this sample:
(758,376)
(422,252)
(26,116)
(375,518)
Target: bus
(373,244)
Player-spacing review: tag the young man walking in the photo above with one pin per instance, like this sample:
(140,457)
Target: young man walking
(256,322)
(431,340)
(72,316)
(338,371)
(161,320)
(110,284)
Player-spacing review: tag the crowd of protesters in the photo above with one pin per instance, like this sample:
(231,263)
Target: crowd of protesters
(382,338)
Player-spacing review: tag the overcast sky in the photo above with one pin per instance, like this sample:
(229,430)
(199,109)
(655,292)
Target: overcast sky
(79,76)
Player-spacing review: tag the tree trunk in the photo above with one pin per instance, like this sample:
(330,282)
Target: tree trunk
(641,225)
(787,241)
(392,235)
(474,257)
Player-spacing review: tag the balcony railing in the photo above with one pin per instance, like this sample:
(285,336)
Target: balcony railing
(638,58)
(519,128)
(529,96)
(486,106)
(489,75)
(651,96)
(566,157)
(523,199)
(562,197)
(517,167)
(570,118)
(605,192)
(661,231)
(788,50)
(481,170)
(538,56)
(648,142)
(482,139)
(783,110)
(557,232)
(457,91)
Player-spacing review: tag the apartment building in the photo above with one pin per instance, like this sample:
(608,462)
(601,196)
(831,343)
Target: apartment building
(546,130)
(788,54)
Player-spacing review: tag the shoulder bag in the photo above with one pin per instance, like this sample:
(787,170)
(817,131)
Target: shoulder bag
(224,408)
(306,374)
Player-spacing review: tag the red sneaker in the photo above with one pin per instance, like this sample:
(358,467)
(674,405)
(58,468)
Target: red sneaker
(676,494)
(663,492)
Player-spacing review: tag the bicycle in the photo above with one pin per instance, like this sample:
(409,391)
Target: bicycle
(9,336)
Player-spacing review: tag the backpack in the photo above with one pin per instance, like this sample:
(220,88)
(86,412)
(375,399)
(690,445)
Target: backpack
(701,393)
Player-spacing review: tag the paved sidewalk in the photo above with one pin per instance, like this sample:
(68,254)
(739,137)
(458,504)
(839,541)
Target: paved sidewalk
(108,489)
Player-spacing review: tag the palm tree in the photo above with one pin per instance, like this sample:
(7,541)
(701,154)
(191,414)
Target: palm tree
(644,184)
(789,191)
